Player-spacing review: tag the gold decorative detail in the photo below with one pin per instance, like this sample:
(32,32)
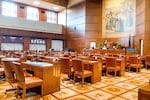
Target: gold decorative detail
(110,81)
(83,88)
(135,82)
(63,92)
(98,94)
(79,98)
(113,89)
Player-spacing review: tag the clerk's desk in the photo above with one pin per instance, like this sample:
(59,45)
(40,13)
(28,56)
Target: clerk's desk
(50,73)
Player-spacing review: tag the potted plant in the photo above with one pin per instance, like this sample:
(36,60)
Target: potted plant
(100,45)
(118,45)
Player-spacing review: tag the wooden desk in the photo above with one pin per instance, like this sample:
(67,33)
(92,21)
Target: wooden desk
(96,68)
(48,72)
(121,63)
(10,59)
(144,93)
(1,57)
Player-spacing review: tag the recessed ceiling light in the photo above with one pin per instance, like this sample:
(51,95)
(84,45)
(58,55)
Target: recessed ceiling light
(56,8)
(36,2)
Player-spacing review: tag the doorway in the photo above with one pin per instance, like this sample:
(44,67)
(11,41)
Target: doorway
(141,47)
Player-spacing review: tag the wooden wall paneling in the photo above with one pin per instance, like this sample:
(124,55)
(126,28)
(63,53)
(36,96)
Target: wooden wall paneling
(29,34)
(42,15)
(91,27)
(140,6)
(76,27)
(93,22)
(48,44)
(14,32)
(21,9)
(26,42)
(94,35)
(140,18)
(147,28)
(140,29)
(93,19)
(140,24)
(147,2)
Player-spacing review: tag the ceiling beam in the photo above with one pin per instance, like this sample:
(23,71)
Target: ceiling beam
(58,2)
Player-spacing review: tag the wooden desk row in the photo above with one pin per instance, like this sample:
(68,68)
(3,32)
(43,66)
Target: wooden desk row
(49,73)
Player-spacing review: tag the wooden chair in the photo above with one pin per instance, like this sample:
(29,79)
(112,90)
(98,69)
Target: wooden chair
(79,71)
(2,72)
(66,68)
(134,62)
(147,61)
(9,73)
(9,76)
(111,65)
(25,82)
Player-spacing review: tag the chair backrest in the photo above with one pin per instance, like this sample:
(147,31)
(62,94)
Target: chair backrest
(77,65)
(147,59)
(23,59)
(111,62)
(65,65)
(133,60)
(19,72)
(9,74)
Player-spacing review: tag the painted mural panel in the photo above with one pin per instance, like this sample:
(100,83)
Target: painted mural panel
(119,16)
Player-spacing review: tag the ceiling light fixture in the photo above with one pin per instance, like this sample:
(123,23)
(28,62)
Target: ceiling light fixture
(56,8)
(36,2)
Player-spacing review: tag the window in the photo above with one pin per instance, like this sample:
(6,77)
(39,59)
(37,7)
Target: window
(51,17)
(32,13)
(9,9)
(38,47)
(12,46)
(92,44)
(57,45)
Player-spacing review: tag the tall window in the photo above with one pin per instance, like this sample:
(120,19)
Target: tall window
(9,9)
(32,13)
(51,17)
(57,45)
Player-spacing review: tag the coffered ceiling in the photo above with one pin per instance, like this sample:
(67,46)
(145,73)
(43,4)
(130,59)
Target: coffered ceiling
(54,5)
(58,2)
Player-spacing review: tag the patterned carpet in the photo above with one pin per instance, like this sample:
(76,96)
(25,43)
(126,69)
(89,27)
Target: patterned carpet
(110,88)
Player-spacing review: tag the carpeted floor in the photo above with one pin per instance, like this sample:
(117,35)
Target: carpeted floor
(110,88)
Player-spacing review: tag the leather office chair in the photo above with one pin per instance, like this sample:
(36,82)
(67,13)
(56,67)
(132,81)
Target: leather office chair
(25,82)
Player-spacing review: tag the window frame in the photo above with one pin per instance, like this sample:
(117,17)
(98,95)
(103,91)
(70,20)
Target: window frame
(32,11)
(51,17)
(10,9)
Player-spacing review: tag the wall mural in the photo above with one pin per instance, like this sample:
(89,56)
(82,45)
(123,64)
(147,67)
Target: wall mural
(119,16)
